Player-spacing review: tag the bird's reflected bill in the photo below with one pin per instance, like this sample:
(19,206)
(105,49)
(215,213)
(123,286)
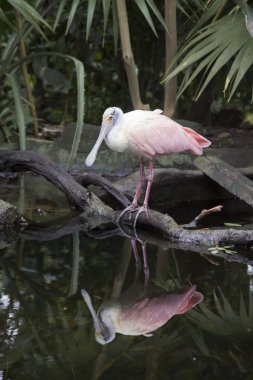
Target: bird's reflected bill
(97,324)
(93,154)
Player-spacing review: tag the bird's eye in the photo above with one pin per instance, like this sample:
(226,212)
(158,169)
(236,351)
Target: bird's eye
(110,117)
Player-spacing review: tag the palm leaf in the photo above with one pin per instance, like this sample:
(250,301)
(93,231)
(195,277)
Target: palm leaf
(19,111)
(210,10)
(145,11)
(59,13)
(115,25)
(224,40)
(5,19)
(249,18)
(80,110)
(106,9)
(245,63)
(143,5)
(90,14)
(80,96)
(157,13)
(72,13)
(248,12)
(226,322)
(30,14)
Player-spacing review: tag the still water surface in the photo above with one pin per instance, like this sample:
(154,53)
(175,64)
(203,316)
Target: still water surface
(46,329)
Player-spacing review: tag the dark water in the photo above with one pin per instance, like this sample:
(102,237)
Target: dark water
(46,329)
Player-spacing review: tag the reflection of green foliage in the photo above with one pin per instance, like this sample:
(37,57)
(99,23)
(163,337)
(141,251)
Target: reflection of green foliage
(226,322)
(230,350)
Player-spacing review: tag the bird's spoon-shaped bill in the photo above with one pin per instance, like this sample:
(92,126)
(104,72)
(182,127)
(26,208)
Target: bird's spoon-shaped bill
(97,324)
(93,154)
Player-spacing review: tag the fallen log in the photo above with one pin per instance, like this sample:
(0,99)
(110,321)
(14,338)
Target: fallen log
(98,212)
(76,194)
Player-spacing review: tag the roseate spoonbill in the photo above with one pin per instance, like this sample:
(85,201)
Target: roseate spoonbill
(147,134)
(139,310)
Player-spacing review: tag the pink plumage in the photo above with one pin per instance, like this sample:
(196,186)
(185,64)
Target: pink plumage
(147,134)
(159,135)
(149,313)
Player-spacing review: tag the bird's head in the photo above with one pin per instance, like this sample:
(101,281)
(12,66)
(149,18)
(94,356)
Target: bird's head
(104,333)
(110,119)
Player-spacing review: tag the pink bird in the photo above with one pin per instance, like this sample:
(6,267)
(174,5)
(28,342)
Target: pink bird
(139,310)
(147,134)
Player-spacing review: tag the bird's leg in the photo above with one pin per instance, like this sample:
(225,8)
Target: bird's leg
(140,183)
(150,180)
(137,259)
(144,207)
(134,205)
(145,264)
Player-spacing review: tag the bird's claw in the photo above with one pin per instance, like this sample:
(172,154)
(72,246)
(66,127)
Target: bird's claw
(143,208)
(133,207)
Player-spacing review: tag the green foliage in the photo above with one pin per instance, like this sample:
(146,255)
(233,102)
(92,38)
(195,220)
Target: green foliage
(20,118)
(62,36)
(226,322)
(30,14)
(211,48)
(144,6)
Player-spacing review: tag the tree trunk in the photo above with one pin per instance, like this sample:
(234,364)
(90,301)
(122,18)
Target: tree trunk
(131,69)
(170,88)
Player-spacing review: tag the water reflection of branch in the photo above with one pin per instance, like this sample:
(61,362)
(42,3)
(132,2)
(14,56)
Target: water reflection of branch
(92,227)
(86,200)
(75,265)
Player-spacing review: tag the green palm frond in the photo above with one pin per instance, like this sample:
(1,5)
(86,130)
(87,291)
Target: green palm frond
(72,13)
(5,19)
(213,47)
(145,7)
(19,110)
(248,12)
(30,14)
(211,10)
(59,13)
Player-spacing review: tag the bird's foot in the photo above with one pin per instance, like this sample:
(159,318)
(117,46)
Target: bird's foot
(133,207)
(143,208)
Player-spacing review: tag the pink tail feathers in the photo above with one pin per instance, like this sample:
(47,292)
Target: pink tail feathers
(198,142)
(202,141)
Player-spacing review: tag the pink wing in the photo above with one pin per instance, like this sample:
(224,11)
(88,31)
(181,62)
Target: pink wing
(154,134)
(150,314)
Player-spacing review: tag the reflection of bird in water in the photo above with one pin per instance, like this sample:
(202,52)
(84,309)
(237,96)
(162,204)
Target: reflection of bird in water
(147,134)
(139,310)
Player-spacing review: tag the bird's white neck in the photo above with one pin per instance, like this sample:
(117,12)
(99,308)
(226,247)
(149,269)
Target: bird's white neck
(116,138)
